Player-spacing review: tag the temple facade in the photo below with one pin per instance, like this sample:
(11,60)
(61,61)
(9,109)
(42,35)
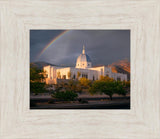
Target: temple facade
(82,69)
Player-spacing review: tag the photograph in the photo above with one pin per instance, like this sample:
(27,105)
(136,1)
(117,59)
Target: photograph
(80,69)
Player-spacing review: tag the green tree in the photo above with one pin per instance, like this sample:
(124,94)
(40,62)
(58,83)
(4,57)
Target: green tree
(37,77)
(128,84)
(107,87)
(37,87)
(120,89)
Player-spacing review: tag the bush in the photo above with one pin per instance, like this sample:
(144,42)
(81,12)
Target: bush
(65,95)
(37,87)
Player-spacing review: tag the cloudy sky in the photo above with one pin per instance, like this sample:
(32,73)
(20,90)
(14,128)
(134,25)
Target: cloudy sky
(102,46)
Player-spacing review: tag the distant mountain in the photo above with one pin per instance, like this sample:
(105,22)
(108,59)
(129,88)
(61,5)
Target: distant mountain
(122,66)
(40,64)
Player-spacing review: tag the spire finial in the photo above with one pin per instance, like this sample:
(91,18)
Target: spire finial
(83,52)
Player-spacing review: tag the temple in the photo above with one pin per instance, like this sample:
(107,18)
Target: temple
(82,69)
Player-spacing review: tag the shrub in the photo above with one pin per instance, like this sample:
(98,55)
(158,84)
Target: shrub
(72,86)
(37,87)
(65,95)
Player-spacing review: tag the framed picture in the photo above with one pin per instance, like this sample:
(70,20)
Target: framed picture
(24,40)
(96,77)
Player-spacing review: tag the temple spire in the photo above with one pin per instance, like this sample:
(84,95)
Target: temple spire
(83,52)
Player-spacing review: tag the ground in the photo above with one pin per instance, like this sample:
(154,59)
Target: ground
(89,102)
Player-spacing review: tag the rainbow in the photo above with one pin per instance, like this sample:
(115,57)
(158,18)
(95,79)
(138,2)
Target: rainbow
(51,42)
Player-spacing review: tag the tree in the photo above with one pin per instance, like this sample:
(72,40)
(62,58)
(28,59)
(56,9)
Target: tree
(69,74)
(37,87)
(78,74)
(85,82)
(71,85)
(128,84)
(37,77)
(74,86)
(107,87)
(120,89)
(106,78)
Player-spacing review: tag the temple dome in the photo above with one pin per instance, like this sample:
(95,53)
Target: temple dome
(83,60)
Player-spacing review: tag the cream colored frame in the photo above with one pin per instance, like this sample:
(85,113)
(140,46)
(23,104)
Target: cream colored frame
(17,17)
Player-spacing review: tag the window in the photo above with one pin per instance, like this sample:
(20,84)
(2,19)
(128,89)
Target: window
(88,64)
(93,78)
(85,75)
(74,76)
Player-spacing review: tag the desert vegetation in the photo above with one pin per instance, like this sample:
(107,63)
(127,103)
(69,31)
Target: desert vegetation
(37,76)
(69,91)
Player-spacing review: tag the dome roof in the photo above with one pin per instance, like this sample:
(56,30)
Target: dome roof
(83,61)
(83,58)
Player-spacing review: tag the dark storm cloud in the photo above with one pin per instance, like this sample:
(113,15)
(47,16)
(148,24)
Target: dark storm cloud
(103,46)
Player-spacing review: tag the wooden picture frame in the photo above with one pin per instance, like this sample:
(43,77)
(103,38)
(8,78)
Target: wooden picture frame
(18,17)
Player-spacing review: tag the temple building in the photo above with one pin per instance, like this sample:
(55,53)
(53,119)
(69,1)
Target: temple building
(83,68)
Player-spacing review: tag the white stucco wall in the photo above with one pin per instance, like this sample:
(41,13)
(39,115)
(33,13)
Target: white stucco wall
(92,73)
(88,72)
(83,65)
(63,71)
